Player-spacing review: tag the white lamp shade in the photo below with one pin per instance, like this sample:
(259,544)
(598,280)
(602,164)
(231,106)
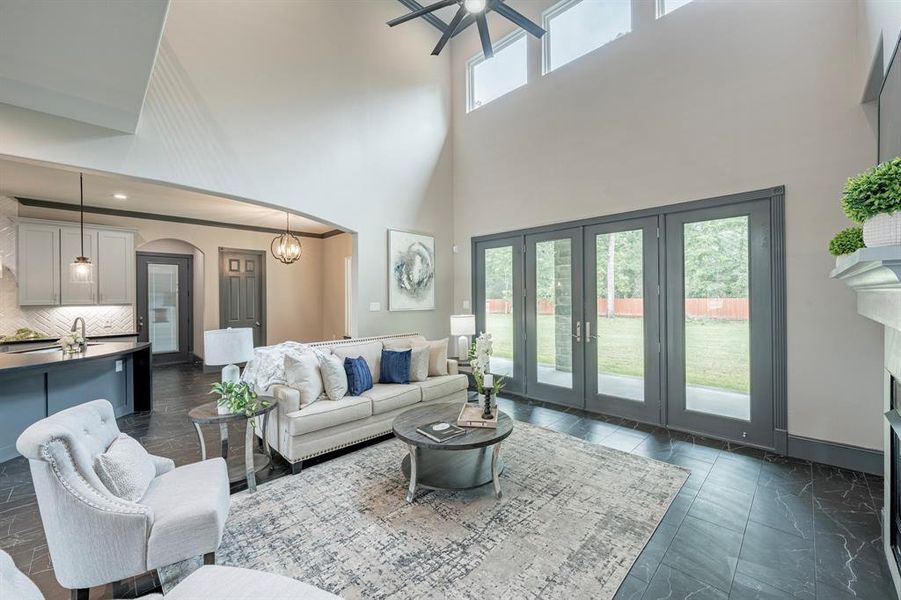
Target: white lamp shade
(463,324)
(227,346)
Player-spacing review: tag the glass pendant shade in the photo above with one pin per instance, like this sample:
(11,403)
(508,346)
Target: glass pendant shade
(81,270)
(286,247)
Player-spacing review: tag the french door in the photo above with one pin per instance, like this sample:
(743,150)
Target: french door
(164,306)
(622,319)
(719,322)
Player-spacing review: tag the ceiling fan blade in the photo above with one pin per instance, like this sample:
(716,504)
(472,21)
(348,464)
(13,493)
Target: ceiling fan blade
(518,19)
(482,22)
(422,11)
(449,32)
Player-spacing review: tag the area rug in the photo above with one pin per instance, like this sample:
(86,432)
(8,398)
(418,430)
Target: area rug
(573,518)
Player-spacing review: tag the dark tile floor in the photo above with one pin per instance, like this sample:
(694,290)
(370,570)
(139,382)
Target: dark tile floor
(747,524)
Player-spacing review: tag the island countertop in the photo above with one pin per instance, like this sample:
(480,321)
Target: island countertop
(15,362)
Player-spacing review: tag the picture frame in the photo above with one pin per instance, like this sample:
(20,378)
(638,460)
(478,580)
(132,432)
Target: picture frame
(411,271)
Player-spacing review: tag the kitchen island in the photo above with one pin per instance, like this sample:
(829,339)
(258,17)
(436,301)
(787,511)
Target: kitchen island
(39,382)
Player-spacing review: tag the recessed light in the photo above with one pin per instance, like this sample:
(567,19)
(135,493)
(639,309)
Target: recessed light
(120,196)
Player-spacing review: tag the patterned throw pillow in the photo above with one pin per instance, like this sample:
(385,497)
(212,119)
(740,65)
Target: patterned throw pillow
(395,366)
(359,379)
(126,469)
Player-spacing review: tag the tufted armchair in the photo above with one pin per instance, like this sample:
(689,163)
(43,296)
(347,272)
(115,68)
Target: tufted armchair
(96,538)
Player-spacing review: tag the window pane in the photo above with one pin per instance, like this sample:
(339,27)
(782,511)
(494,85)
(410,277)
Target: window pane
(717,318)
(620,312)
(499,315)
(665,7)
(496,76)
(162,306)
(553,308)
(584,27)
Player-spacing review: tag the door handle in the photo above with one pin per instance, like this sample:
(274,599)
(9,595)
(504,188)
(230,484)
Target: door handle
(578,334)
(257,324)
(587,331)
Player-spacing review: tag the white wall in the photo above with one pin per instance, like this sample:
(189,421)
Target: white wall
(316,105)
(715,98)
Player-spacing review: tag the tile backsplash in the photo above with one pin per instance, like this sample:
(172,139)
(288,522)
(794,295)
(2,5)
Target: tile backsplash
(51,320)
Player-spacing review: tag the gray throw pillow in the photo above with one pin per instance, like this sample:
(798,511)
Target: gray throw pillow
(126,469)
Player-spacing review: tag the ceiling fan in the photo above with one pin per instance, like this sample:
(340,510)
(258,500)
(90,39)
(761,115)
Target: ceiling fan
(471,11)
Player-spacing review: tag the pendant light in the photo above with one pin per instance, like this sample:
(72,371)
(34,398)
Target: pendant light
(286,247)
(81,270)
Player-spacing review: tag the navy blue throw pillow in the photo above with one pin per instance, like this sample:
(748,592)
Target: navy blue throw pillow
(395,366)
(359,379)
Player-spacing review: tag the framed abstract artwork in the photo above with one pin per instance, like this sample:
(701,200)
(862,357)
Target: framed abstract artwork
(411,271)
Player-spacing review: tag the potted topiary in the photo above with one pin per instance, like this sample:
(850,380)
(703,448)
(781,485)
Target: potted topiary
(873,199)
(237,398)
(847,241)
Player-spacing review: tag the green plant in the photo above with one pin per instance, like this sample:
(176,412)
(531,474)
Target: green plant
(873,192)
(846,241)
(238,398)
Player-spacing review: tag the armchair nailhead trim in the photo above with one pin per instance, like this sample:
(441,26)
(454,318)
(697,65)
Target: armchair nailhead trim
(100,502)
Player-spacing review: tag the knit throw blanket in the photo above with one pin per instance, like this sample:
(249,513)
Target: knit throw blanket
(267,367)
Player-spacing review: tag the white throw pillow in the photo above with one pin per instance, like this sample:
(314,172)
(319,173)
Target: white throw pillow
(126,469)
(334,378)
(437,358)
(371,352)
(419,356)
(302,374)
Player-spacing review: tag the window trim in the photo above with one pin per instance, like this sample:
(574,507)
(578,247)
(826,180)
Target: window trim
(558,9)
(479,58)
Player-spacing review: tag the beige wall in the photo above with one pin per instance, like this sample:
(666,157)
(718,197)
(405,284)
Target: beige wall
(293,292)
(714,98)
(314,105)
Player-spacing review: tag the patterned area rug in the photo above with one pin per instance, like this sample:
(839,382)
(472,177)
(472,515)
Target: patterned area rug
(573,518)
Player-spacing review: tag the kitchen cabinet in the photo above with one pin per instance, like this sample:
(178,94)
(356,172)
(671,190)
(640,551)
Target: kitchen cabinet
(37,250)
(116,266)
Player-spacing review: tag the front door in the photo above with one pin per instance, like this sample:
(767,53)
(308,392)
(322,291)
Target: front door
(165,305)
(242,291)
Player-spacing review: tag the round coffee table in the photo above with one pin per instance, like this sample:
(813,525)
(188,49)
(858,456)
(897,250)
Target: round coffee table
(460,463)
(208,414)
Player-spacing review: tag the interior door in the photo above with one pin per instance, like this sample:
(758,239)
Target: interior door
(622,319)
(242,285)
(720,322)
(165,306)
(499,307)
(553,317)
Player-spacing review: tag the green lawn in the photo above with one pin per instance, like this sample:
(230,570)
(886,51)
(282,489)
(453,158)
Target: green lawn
(717,352)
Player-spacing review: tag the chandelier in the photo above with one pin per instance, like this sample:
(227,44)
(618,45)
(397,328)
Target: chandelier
(286,247)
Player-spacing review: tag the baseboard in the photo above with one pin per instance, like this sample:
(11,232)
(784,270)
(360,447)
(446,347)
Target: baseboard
(836,454)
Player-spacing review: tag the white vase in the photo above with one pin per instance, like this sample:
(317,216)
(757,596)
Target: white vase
(882,230)
(223,410)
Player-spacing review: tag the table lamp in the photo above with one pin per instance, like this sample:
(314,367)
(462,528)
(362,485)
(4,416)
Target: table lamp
(463,326)
(227,347)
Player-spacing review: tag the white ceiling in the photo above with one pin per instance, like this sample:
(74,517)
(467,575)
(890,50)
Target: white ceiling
(39,182)
(88,60)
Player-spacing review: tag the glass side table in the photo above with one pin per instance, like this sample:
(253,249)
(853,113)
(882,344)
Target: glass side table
(207,414)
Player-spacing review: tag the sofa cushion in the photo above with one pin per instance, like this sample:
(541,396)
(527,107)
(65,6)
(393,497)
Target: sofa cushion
(190,505)
(389,396)
(371,351)
(436,387)
(328,414)
(235,583)
(359,378)
(395,366)
(419,356)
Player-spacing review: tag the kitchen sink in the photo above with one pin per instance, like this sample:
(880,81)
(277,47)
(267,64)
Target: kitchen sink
(47,350)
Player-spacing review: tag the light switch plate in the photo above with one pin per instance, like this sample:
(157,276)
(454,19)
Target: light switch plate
(375,306)
(466,305)
(118,366)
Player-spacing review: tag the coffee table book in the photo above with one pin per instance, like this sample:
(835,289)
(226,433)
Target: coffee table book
(471,416)
(440,431)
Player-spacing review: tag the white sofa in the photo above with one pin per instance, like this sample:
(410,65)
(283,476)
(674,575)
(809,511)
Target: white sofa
(300,433)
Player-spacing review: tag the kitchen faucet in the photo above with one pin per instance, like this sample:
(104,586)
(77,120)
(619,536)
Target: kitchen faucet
(84,339)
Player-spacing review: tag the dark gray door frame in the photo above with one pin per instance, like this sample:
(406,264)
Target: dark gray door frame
(186,304)
(775,200)
(222,291)
(515,384)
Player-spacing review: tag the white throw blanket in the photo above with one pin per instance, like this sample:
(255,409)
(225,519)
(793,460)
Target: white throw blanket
(267,367)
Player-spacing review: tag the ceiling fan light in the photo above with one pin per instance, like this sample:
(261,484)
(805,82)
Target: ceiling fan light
(474,6)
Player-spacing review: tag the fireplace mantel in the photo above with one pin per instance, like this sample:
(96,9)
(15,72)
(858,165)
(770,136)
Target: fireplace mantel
(875,274)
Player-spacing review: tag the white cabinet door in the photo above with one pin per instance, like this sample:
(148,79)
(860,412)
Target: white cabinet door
(69,248)
(116,267)
(38,264)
